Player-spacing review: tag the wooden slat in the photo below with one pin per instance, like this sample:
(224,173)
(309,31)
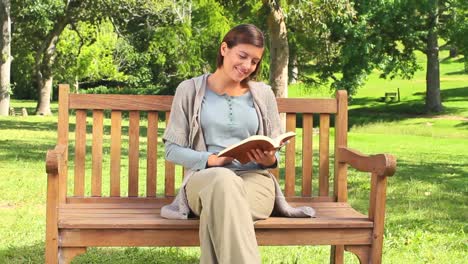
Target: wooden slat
(163,103)
(140,218)
(324,154)
(80,152)
(167,200)
(62,139)
(116,149)
(169,179)
(51,236)
(121,102)
(96,176)
(101,238)
(290,167)
(341,130)
(189,237)
(133,153)
(333,213)
(151,154)
(307,153)
(306,106)
(122,203)
(380,193)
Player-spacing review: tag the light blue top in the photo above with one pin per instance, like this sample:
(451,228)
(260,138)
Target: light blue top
(225,120)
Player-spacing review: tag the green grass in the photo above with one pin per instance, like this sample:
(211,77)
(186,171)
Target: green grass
(426,211)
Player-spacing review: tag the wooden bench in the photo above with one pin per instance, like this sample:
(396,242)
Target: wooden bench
(92,210)
(391,97)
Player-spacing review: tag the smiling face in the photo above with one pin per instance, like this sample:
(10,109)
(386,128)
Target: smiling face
(240,61)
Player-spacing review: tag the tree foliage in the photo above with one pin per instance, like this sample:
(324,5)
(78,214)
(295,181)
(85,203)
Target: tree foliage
(150,46)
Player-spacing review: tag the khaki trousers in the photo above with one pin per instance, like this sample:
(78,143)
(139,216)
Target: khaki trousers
(228,203)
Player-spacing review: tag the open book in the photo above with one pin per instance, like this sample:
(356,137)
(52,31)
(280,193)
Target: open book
(239,150)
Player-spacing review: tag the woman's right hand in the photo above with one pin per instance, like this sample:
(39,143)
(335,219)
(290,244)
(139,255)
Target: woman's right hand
(215,161)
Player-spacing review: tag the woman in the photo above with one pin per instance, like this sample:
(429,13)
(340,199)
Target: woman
(209,113)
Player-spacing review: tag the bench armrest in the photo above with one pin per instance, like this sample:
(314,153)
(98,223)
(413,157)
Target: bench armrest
(52,159)
(380,164)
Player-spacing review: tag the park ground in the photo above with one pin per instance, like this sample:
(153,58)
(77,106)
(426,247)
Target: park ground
(427,212)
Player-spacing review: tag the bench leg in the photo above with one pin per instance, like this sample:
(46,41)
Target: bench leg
(362,252)
(68,253)
(337,254)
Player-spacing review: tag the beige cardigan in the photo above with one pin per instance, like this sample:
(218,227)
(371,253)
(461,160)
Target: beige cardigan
(184,129)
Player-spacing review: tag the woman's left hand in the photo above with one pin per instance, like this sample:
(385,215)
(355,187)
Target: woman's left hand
(264,158)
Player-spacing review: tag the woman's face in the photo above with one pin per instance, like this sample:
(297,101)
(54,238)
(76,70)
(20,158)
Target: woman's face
(240,61)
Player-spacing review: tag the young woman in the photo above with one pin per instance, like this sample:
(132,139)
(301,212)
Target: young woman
(208,114)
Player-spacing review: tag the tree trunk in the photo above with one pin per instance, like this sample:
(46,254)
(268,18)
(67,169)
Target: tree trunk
(44,61)
(279,49)
(5,59)
(433,100)
(294,70)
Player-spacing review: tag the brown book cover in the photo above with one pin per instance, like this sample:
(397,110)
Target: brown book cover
(239,150)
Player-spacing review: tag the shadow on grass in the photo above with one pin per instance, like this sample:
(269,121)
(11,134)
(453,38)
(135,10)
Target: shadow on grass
(373,111)
(451,95)
(23,254)
(15,150)
(169,255)
(457,72)
(23,124)
(419,195)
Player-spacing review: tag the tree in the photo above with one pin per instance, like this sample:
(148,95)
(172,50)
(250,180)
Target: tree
(279,48)
(5,59)
(456,29)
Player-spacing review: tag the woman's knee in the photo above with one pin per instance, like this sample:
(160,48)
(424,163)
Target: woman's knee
(227,179)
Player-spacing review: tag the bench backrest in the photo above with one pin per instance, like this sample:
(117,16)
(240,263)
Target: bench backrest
(121,127)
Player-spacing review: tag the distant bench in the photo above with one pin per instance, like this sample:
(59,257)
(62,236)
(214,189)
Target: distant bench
(391,97)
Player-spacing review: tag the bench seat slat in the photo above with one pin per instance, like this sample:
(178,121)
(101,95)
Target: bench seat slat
(149,218)
(189,237)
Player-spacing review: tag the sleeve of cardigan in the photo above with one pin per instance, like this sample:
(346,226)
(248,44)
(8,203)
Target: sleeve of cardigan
(187,157)
(178,128)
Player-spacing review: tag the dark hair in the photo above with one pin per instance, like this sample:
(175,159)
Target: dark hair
(242,34)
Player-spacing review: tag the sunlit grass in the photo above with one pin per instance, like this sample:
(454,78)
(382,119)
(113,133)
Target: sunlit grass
(427,198)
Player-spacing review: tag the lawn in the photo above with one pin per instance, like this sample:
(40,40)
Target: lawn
(427,212)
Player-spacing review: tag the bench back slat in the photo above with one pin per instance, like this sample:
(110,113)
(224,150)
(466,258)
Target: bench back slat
(80,152)
(96,176)
(115,153)
(306,106)
(133,153)
(294,159)
(169,175)
(151,154)
(307,154)
(121,102)
(290,167)
(324,154)
(62,139)
(341,129)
